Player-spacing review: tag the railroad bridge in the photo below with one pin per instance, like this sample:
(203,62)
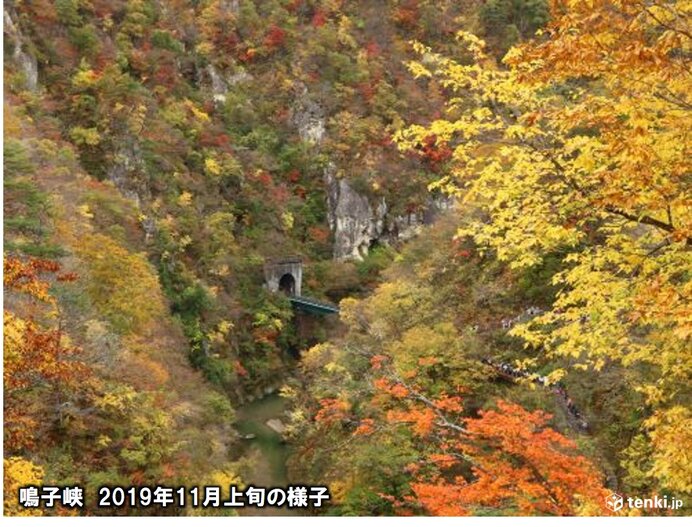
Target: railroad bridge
(286,276)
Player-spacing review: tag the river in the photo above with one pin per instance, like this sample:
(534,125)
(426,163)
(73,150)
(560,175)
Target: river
(266,452)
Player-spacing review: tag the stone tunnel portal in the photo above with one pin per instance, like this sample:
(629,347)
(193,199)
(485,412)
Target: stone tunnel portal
(284,276)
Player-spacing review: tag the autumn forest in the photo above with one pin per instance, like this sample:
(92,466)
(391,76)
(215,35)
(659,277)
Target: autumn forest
(359,257)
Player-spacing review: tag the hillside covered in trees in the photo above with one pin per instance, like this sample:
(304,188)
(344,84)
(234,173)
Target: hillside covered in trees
(495,194)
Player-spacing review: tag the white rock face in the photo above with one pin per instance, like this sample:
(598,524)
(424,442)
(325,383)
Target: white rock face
(220,84)
(25,61)
(352,219)
(219,88)
(356,224)
(308,117)
(129,172)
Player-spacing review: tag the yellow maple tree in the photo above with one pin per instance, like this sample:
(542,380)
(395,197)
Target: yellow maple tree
(581,144)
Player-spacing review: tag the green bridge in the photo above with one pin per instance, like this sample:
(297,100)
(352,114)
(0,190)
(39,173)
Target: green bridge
(312,306)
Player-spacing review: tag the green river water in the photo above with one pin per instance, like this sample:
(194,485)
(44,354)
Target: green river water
(266,452)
